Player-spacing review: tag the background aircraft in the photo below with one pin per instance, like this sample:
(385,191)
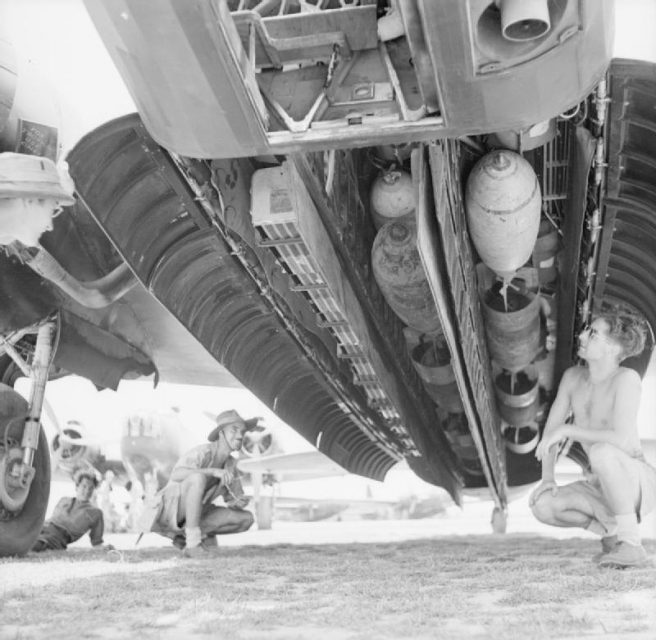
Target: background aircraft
(300,486)
(306,485)
(161,270)
(147,443)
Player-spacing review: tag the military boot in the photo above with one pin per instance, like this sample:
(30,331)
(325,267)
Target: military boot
(624,555)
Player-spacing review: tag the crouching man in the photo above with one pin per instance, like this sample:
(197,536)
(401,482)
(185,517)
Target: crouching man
(183,509)
(73,517)
(603,398)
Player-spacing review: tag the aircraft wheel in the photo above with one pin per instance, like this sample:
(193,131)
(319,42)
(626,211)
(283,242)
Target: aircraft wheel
(18,532)
(499,520)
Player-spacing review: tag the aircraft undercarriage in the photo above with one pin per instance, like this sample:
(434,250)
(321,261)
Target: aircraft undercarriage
(24,457)
(184,227)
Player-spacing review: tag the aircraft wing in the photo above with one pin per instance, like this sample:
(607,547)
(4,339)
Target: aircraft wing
(290,467)
(291,502)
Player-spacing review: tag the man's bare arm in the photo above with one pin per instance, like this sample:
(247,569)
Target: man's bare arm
(560,410)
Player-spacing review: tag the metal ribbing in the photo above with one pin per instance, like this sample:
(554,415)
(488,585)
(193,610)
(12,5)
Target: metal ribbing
(190,269)
(626,269)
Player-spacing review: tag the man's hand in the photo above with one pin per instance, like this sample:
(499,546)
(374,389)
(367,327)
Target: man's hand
(543,487)
(225,475)
(238,503)
(549,439)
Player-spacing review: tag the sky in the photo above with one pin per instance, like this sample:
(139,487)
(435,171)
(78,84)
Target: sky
(55,38)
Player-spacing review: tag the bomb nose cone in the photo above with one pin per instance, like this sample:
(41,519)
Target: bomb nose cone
(500,161)
(391,197)
(503,204)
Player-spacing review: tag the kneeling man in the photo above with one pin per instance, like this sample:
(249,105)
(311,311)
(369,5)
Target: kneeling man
(603,398)
(185,512)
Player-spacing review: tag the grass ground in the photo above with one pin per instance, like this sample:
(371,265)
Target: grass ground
(509,587)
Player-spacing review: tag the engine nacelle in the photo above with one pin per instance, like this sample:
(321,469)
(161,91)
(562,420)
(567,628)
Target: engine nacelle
(70,450)
(257,444)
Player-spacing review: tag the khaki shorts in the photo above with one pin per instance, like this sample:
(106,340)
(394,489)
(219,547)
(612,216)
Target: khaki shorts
(591,489)
(164,518)
(167,519)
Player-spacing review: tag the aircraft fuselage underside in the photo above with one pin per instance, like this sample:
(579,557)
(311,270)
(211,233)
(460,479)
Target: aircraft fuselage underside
(249,197)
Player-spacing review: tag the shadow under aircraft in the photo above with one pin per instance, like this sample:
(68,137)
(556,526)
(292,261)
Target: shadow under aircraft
(388,220)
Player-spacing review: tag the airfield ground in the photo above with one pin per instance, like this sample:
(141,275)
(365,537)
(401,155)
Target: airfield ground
(440,578)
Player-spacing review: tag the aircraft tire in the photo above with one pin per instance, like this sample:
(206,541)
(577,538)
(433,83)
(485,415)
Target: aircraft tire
(18,534)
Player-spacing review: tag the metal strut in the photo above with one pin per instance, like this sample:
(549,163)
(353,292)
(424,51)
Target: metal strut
(16,467)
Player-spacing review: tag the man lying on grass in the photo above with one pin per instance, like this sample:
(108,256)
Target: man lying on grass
(73,517)
(604,399)
(183,510)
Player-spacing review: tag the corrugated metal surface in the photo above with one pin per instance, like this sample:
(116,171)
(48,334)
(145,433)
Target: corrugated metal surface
(153,220)
(626,268)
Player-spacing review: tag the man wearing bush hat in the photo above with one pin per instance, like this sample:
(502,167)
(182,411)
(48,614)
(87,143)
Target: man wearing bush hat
(185,512)
(32,192)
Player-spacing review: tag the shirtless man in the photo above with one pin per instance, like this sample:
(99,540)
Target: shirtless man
(604,399)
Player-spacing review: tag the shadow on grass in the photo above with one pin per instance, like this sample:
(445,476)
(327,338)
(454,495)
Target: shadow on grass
(515,586)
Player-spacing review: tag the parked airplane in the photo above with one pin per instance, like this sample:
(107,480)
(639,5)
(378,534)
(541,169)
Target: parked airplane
(228,233)
(151,442)
(150,445)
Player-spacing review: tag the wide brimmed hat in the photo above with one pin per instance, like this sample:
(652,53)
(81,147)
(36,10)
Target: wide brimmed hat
(229,417)
(25,176)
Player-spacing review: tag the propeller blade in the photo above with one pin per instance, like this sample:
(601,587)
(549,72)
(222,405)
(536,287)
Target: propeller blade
(78,442)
